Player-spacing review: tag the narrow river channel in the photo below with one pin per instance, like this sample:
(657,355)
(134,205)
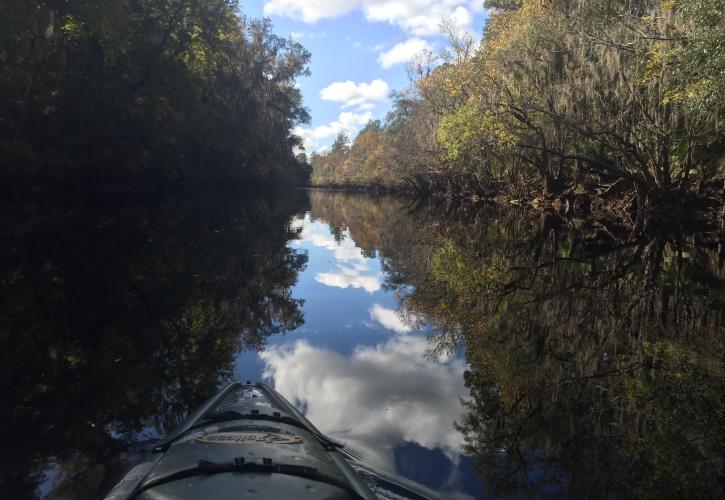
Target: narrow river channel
(480,353)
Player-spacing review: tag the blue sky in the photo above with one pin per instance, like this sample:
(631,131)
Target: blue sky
(359,52)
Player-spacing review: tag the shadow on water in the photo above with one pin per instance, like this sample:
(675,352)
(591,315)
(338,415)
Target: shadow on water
(115,322)
(595,359)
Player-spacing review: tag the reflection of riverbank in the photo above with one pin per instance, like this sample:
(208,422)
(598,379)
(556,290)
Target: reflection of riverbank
(116,319)
(594,362)
(595,348)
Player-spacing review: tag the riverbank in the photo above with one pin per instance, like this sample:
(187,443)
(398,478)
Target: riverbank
(612,204)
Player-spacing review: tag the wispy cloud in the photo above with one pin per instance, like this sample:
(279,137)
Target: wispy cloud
(310,35)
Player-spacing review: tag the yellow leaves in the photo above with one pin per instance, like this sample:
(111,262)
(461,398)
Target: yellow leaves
(511,30)
(654,66)
(73,359)
(658,59)
(73,27)
(449,80)
(666,6)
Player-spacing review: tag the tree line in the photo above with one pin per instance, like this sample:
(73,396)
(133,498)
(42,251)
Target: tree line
(181,91)
(616,99)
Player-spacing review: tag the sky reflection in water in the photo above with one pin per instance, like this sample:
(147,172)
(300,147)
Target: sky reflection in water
(359,369)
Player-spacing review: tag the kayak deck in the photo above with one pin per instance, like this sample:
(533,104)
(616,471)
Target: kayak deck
(248,440)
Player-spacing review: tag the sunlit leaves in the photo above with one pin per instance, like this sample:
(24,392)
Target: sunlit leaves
(565,94)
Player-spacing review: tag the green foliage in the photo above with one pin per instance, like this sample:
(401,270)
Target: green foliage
(126,91)
(700,61)
(460,134)
(373,126)
(341,144)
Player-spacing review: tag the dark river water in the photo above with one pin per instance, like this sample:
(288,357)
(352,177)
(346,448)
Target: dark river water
(480,352)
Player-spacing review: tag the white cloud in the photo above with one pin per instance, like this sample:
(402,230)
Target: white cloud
(416,17)
(403,52)
(355,94)
(309,11)
(347,121)
(377,398)
(462,17)
(389,319)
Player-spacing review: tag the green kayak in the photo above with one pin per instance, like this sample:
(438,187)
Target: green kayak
(247,441)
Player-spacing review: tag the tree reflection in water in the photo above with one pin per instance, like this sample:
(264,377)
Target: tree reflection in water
(596,356)
(114,323)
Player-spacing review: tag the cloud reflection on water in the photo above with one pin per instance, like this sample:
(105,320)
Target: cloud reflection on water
(350,277)
(379,397)
(352,268)
(389,319)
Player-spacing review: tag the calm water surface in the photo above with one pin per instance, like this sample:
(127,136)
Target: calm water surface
(480,353)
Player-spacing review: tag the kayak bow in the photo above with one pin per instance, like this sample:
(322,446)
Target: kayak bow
(247,439)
